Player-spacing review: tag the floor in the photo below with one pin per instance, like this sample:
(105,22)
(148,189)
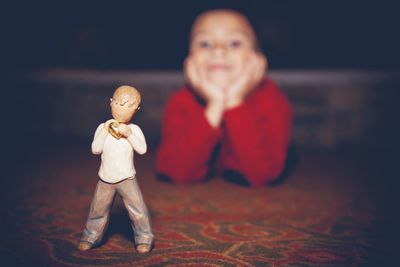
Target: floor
(337,208)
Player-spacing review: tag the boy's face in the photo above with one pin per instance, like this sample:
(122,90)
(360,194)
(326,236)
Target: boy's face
(221,42)
(123,106)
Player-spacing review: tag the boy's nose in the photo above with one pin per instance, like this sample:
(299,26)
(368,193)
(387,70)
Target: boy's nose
(219,49)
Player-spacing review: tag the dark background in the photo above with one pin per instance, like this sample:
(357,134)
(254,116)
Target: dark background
(138,35)
(49,116)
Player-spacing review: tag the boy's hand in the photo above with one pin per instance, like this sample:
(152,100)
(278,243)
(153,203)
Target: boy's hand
(125,130)
(212,94)
(251,75)
(198,79)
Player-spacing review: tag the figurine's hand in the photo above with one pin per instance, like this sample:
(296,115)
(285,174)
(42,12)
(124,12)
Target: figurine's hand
(252,74)
(125,130)
(197,78)
(107,124)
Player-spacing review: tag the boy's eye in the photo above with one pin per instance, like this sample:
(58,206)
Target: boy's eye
(235,44)
(204,44)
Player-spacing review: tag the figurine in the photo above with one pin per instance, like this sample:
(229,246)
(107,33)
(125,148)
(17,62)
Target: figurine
(116,140)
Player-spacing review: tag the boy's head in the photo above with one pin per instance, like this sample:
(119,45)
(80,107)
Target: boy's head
(221,42)
(124,103)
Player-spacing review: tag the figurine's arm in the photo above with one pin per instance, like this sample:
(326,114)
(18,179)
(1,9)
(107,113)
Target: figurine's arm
(99,139)
(137,139)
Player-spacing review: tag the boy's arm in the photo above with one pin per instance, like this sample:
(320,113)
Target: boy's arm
(99,139)
(187,141)
(137,139)
(260,142)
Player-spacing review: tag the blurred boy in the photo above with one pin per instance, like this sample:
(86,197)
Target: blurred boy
(227,117)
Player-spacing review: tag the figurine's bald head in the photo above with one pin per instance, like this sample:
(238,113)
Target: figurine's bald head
(127,92)
(124,103)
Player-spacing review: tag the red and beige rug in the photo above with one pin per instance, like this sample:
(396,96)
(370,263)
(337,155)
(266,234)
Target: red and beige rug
(331,211)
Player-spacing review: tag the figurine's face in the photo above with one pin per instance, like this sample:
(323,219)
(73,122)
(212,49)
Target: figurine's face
(123,107)
(221,42)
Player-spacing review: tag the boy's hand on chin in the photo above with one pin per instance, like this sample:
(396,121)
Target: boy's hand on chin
(212,94)
(197,77)
(252,73)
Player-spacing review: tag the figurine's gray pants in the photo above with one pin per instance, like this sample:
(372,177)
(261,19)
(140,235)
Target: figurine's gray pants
(100,211)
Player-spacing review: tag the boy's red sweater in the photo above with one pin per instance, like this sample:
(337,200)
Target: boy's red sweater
(253,137)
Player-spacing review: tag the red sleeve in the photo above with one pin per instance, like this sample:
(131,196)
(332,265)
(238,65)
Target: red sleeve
(187,140)
(259,132)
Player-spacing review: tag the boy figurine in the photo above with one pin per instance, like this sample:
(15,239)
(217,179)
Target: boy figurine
(228,118)
(116,140)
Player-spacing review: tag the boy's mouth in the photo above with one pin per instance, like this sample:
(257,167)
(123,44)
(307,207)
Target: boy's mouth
(219,67)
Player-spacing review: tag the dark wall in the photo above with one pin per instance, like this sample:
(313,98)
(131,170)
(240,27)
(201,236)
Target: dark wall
(153,34)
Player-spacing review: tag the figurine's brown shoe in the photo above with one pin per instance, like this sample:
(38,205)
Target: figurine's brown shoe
(143,248)
(84,245)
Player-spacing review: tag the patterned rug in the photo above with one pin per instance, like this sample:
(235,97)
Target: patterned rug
(331,211)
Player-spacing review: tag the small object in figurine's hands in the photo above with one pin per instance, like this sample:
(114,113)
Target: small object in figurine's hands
(143,248)
(113,130)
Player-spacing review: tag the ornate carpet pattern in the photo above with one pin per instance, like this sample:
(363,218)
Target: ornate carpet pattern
(330,211)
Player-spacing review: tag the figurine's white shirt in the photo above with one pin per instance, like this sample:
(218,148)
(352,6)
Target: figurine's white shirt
(117,155)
